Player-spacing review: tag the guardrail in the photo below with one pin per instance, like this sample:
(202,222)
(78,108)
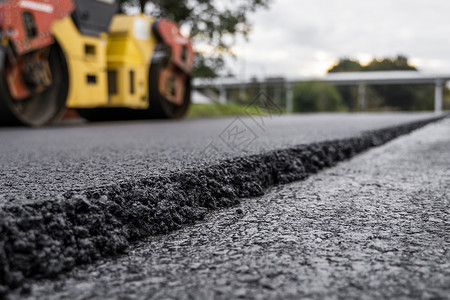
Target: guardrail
(360,79)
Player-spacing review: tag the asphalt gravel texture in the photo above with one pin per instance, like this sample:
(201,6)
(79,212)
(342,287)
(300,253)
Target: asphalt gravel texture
(374,227)
(45,234)
(44,162)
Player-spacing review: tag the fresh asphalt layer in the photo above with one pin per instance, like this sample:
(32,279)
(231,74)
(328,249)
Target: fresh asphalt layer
(374,227)
(60,208)
(37,163)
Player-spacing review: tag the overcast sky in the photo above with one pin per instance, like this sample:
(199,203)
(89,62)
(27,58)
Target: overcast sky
(304,38)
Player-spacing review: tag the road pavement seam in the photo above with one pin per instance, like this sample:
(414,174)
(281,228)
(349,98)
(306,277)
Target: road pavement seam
(44,238)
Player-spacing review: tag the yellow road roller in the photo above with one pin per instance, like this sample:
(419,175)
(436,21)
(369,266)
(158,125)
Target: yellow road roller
(83,55)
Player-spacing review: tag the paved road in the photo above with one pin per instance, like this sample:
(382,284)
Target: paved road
(64,203)
(39,163)
(375,227)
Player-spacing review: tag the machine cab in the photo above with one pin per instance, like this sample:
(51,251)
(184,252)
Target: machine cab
(94,16)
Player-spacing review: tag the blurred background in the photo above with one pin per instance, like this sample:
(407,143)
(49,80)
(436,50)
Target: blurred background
(267,41)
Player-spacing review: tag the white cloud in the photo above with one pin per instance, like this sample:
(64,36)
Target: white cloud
(295,38)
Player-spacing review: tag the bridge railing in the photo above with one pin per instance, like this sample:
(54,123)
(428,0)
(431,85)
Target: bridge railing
(360,79)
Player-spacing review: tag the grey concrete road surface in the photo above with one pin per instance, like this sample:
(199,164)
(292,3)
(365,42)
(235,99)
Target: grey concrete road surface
(375,227)
(39,163)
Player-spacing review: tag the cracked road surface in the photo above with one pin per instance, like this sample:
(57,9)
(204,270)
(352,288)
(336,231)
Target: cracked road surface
(375,227)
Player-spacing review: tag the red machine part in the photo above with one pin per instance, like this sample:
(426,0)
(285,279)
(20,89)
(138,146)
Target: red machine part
(26,27)
(172,84)
(27,23)
(174,75)
(182,52)
(32,69)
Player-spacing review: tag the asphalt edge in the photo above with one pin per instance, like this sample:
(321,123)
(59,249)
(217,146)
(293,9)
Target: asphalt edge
(48,237)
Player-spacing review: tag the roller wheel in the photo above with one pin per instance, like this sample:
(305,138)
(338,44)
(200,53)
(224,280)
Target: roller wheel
(160,107)
(42,108)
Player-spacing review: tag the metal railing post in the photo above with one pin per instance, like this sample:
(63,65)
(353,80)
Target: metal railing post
(438,96)
(362,96)
(222,95)
(289,97)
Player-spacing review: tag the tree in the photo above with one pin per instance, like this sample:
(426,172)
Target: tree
(210,22)
(346,65)
(400,63)
(316,97)
(403,97)
(349,94)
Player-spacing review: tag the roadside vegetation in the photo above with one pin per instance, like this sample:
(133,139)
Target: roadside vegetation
(322,97)
(221,110)
(317,97)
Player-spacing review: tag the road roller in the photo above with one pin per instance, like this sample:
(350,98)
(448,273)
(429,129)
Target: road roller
(84,55)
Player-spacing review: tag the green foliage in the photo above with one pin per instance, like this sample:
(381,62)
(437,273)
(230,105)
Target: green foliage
(346,65)
(211,22)
(349,94)
(385,64)
(400,63)
(197,110)
(446,99)
(316,97)
(207,67)
(385,97)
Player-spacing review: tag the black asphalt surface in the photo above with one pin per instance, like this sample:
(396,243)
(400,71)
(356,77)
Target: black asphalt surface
(60,207)
(38,163)
(374,227)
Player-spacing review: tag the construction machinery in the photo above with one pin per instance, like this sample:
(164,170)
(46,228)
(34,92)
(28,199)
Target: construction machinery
(83,55)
